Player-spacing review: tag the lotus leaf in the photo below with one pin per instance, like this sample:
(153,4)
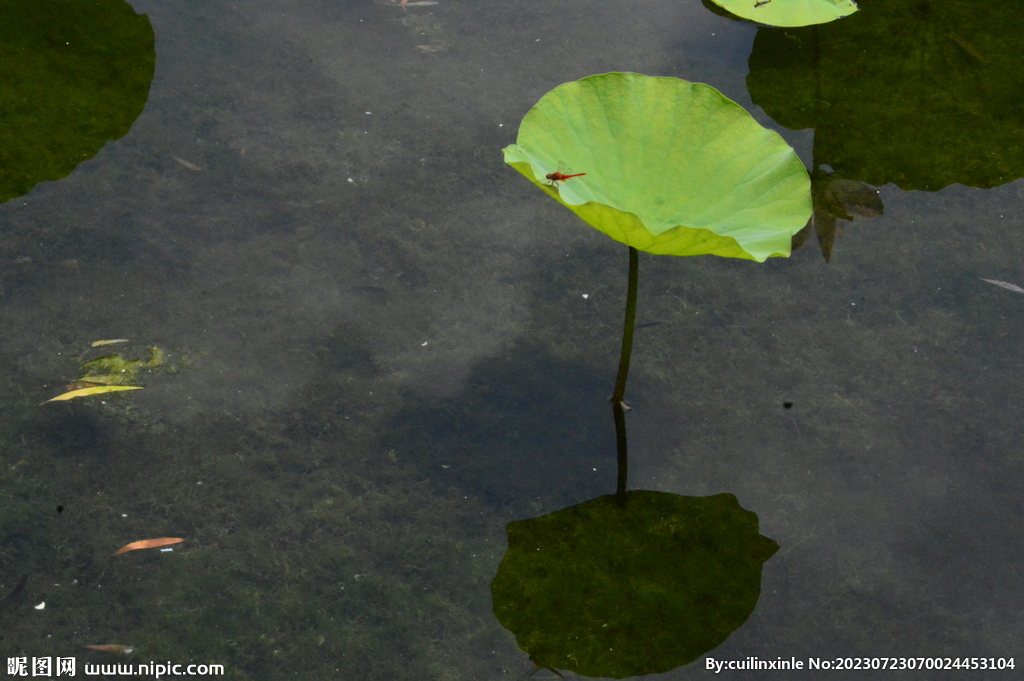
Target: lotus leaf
(672,167)
(789,12)
(605,590)
(76,75)
(919,94)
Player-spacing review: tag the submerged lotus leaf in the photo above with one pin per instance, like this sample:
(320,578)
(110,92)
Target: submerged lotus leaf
(607,591)
(76,75)
(672,167)
(789,12)
(919,94)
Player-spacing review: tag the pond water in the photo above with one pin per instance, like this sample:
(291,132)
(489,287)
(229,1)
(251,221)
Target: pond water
(384,345)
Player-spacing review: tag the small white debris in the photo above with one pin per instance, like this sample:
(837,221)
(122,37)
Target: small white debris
(41,605)
(166,550)
(585,296)
(185,164)
(424,344)
(1005,284)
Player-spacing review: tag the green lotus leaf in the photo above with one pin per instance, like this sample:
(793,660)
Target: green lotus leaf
(789,12)
(921,95)
(672,167)
(606,591)
(76,75)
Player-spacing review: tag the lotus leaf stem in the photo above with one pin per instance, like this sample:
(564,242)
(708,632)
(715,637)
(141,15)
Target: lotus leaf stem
(619,407)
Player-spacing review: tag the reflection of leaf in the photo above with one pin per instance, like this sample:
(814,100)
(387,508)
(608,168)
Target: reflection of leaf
(856,198)
(671,167)
(826,228)
(76,75)
(790,12)
(95,390)
(836,199)
(920,94)
(609,591)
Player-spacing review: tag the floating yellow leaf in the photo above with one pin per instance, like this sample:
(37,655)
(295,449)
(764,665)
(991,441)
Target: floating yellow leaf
(101,343)
(95,390)
(90,380)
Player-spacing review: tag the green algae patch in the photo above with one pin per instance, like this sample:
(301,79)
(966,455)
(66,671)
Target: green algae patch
(126,367)
(104,371)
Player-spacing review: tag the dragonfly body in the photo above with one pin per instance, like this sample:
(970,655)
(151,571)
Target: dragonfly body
(561,175)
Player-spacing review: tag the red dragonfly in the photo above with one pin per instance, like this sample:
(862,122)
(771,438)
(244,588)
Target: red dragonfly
(561,175)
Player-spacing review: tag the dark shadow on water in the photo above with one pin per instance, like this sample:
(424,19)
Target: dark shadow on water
(526,426)
(73,430)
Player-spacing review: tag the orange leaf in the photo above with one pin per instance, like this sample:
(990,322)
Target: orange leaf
(149,544)
(112,648)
